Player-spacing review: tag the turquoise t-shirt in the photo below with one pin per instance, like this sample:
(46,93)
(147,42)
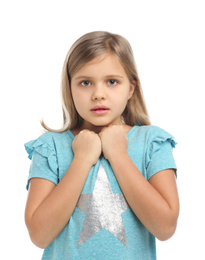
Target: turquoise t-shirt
(102,226)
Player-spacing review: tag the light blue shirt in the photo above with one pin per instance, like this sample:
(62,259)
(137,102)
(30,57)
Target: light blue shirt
(102,226)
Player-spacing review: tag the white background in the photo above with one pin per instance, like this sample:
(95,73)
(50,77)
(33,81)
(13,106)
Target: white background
(168,42)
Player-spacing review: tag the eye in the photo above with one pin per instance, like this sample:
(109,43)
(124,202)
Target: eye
(112,82)
(85,83)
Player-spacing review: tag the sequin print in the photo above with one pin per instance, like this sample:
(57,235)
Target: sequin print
(103,209)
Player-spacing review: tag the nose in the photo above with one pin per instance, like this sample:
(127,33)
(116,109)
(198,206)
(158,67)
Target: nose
(99,92)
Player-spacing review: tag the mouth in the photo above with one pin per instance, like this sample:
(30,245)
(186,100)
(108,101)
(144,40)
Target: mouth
(99,110)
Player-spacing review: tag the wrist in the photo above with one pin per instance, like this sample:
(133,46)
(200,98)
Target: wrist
(82,161)
(118,156)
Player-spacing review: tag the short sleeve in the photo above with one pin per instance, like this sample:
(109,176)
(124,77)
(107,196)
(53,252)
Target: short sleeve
(159,154)
(43,161)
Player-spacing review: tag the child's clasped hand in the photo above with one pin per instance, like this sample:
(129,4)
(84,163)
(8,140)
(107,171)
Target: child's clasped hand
(112,140)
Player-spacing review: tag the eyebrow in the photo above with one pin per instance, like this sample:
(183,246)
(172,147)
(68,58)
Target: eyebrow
(108,76)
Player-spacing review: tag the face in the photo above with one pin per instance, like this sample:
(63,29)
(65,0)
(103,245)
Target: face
(100,91)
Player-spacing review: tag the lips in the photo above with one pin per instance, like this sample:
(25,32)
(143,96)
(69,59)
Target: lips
(99,110)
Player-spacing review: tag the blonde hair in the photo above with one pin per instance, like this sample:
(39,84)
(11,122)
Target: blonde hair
(85,49)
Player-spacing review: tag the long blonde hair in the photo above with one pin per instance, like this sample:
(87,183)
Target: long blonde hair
(85,49)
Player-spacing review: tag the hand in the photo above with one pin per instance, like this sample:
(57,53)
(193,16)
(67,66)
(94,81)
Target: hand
(114,141)
(87,146)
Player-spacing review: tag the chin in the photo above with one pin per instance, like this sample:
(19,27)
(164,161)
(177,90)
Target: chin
(100,124)
(97,125)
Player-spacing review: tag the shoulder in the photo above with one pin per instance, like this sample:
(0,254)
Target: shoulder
(153,134)
(46,143)
(159,135)
(52,136)
(151,130)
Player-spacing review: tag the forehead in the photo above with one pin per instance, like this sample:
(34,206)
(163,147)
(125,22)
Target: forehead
(102,64)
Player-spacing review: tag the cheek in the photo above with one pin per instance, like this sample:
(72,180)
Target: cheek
(121,98)
(79,99)
(75,97)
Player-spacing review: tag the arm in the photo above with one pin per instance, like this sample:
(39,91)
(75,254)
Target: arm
(154,202)
(49,207)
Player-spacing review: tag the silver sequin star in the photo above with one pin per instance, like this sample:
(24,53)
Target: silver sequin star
(103,209)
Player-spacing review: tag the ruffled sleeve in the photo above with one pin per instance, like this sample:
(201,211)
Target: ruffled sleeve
(159,154)
(43,160)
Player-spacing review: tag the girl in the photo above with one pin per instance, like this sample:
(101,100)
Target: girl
(103,186)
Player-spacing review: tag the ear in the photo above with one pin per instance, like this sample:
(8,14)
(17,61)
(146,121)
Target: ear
(132,89)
